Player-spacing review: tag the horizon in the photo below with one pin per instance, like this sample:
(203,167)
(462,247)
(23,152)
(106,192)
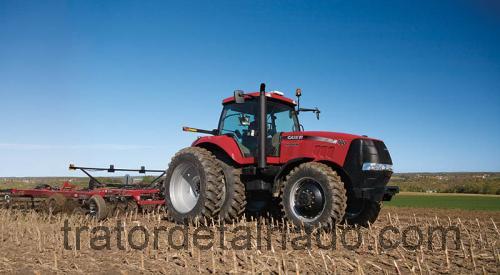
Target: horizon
(97,82)
(134,175)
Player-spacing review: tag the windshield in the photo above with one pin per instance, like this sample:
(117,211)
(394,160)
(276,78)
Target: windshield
(240,122)
(281,118)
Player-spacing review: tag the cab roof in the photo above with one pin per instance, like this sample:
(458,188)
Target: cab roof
(272,95)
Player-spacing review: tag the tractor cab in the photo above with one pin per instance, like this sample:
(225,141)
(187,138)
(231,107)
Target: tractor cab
(240,121)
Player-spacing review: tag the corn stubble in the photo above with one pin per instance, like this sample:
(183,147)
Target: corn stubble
(33,242)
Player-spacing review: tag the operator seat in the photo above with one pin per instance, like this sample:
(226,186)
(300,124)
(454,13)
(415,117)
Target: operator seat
(275,144)
(246,152)
(249,141)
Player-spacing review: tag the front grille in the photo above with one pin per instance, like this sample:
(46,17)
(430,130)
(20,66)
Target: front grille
(367,151)
(375,151)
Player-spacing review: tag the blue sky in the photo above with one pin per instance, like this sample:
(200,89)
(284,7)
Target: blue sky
(101,82)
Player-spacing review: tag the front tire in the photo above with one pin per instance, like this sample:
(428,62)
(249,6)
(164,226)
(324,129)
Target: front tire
(193,186)
(362,212)
(314,196)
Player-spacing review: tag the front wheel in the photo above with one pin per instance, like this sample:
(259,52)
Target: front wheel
(313,196)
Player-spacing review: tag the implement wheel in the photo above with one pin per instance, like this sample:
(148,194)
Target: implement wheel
(119,209)
(194,186)
(55,204)
(6,201)
(132,207)
(98,208)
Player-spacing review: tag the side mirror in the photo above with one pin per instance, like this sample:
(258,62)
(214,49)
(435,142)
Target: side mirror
(239,96)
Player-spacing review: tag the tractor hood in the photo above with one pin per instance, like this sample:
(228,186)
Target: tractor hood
(356,153)
(361,152)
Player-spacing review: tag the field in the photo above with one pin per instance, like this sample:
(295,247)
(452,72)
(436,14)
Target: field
(466,183)
(404,240)
(446,201)
(34,243)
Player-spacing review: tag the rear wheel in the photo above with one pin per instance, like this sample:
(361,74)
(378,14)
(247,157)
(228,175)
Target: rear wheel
(193,186)
(362,212)
(314,195)
(234,202)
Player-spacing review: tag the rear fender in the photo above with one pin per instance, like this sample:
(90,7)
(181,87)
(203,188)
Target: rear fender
(224,144)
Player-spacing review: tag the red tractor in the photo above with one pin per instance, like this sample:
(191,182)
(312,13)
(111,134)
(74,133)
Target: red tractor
(261,156)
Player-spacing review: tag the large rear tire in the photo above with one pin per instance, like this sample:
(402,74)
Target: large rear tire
(362,212)
(313,196)
(193,186)
(235,201)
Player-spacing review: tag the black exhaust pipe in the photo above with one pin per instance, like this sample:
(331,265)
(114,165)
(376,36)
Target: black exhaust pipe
(262,128)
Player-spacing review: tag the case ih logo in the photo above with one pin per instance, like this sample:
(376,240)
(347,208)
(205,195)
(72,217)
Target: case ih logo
(295,137)
(323,139)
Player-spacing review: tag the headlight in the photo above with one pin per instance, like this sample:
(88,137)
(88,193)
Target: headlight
(370,166)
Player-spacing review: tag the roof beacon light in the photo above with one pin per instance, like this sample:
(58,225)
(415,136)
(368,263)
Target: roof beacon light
(278,93)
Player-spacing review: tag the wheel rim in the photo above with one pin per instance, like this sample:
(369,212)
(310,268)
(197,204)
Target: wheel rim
(93,209)
(51,206)
(184,187)
(7,199)
(307,200)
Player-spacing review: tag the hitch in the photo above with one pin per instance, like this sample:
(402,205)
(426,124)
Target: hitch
(390,191)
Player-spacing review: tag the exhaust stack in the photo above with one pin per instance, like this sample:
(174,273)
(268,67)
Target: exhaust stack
(261,161)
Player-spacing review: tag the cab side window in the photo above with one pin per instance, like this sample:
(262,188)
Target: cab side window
(238,121)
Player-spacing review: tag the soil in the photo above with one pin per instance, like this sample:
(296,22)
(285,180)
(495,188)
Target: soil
(32,242)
